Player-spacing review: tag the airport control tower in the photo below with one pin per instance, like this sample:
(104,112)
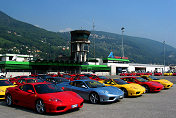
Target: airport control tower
(79,45)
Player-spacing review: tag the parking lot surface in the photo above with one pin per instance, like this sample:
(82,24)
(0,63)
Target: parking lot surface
(150,105)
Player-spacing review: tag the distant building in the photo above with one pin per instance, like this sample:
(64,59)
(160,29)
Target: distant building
(119,65)
(79,45)
(16,57)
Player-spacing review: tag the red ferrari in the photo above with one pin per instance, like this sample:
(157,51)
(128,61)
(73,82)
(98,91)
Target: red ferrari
(68,77)
(123,74)
(174,74)
(15,79)
(157,74)
(27,80)
(92,76)
(43,98)
(150,86)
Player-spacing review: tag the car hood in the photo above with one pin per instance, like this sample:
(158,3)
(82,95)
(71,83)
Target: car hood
(135,86)
(163,81)
(110,89)
(65,96)
(153,83)
(5,87)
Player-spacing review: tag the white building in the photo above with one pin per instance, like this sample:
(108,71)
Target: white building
(122,65)
(16,57)
(147,67)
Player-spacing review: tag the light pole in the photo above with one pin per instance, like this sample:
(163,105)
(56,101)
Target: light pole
(164,55)
(122,41)
(94,40)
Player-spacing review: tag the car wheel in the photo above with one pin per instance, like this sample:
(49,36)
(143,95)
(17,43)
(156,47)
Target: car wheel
(94,98)
(9,101)
(125,92)
(147,89)
(40,107)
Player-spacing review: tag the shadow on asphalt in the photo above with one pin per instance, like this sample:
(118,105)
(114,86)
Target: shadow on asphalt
(3,103)
(133,96)
(102,103)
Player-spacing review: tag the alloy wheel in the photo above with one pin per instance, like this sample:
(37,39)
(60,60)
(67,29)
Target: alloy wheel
(94,98)
(40,107)
(125,92)
(9,100)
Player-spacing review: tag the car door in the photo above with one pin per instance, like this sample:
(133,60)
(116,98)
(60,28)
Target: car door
(27,98)
(81,88)
(130,80)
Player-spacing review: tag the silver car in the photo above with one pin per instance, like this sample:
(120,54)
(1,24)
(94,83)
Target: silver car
(93,91)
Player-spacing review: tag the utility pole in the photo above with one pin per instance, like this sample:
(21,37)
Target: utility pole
(94,40)
(122,41)
(164,55)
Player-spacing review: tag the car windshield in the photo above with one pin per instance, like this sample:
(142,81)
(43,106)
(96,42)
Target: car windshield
(94,84)
(5,83)
(47,88)
(141,79)
(154,78)
(66,76)
(119,81)
(26,77)
(84,77)
(102,77)
(44,76)
(88,75)
(33,80)
(60,79)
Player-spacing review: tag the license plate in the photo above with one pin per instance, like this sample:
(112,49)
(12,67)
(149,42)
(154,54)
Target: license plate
(74,106)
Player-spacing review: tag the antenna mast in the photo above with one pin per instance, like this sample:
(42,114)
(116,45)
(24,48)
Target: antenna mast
(94,40)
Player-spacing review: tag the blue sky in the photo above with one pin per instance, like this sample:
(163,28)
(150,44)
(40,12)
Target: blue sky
(154,19)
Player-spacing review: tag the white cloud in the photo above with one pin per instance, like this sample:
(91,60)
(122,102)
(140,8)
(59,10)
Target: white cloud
(37,25)
(66,30)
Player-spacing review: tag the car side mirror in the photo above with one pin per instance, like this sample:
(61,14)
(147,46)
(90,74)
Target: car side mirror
(30,91)
(83,86)
(112,83)
(62,88)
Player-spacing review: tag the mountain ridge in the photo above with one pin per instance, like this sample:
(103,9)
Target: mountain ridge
(24,38)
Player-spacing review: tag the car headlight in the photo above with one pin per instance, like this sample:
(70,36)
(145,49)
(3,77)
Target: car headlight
(2,90)
(54,100)
(106,92)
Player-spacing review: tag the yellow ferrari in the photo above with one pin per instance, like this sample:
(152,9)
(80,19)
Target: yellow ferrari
(4,84)
(164,82)
(128,89)
(167,74)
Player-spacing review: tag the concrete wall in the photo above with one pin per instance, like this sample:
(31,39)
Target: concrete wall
(148,67)
(113,70)
(13,74)
(103,73)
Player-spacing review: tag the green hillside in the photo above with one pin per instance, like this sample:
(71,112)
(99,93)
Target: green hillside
(139,50)
(23,38)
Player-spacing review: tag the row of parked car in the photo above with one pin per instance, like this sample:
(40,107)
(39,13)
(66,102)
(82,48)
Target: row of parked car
(149,73)
(59,93)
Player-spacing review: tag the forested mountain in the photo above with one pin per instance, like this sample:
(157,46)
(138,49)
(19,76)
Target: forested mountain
(23,38)
(138,50)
